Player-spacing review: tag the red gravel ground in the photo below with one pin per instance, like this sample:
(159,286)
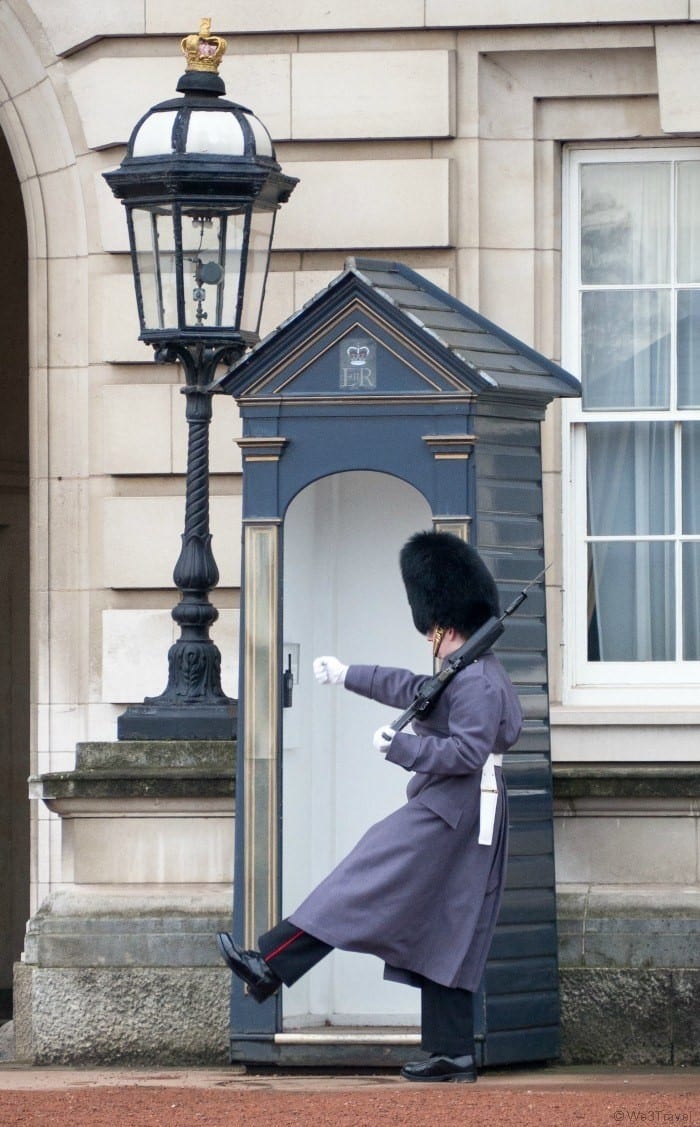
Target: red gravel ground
(357,1102)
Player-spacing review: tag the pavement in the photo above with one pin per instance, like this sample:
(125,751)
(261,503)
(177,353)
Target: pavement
(18,1076)
(554,1078)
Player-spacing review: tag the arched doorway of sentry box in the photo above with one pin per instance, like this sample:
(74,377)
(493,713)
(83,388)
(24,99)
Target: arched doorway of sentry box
(342,595)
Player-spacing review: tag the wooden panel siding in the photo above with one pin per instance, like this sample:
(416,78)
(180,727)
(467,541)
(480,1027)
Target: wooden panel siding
(520,1007)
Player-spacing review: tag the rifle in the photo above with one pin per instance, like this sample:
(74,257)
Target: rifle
(476,645)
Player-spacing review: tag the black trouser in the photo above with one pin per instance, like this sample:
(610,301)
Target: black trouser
(447,1020)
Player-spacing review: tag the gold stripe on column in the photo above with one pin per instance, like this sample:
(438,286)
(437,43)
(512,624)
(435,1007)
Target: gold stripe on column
(261,681)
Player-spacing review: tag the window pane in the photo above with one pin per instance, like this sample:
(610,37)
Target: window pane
(155,252)
(233,236)
(690,465)
(626,345)
(203,269)
(689,221)
(625,223)
(630,479)
(631,602)
(691,602)
(261,224)
(689,348)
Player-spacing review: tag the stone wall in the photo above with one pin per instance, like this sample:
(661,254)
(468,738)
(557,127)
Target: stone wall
(626,845)
(121,964)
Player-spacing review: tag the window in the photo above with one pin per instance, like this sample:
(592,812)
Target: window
(632,334)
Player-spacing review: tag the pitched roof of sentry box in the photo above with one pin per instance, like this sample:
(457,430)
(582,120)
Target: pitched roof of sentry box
(483,356)
(499,359)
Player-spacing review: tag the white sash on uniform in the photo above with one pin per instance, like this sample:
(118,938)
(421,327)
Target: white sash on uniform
(489,799)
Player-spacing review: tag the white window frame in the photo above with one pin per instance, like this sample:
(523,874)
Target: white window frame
(608,684)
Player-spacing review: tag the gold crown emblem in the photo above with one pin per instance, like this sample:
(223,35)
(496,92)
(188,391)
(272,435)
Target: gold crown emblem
(203,50)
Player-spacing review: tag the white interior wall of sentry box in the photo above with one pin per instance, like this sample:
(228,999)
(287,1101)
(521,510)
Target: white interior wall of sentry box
(343,595)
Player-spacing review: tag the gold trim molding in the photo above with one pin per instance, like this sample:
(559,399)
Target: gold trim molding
(450,447)
(262,449)
(459,526)
(261,697)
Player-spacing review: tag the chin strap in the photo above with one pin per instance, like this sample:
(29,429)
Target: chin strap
(438,635)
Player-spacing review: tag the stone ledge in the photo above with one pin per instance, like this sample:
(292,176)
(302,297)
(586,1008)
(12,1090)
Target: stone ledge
(162,783)
(102,929)
(152,754)
(153,769)
(629,927)
(626,780)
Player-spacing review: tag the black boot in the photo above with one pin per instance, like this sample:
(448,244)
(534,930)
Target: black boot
(441,1068)
(250,967)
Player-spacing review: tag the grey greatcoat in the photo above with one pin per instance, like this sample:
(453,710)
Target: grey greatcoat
(418,890)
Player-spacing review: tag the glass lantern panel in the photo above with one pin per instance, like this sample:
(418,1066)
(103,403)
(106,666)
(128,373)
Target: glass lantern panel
(211,260)
(154,252)
(155,135)
(259,239)
(263,141)
(215,133)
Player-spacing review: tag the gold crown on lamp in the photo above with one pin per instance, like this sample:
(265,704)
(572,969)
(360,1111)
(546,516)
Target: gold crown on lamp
(203,50)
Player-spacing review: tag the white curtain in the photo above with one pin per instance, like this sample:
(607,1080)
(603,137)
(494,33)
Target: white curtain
(631,588)
(625,230)
(690,478)
(626,365)
(689,394)
(626,349)
(689,221)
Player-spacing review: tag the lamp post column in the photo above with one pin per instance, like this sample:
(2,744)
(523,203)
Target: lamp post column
(193,703)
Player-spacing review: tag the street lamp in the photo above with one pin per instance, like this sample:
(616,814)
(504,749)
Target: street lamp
(201,188)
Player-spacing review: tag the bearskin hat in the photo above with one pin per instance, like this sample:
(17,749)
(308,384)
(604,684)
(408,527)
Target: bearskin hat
(447,583)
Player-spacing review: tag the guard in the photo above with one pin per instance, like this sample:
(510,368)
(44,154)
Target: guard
(422,888)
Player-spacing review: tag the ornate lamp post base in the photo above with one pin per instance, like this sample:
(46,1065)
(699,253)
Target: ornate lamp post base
(179,721)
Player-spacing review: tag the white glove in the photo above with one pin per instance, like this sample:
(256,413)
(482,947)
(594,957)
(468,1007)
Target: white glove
(382,738)
(329,671)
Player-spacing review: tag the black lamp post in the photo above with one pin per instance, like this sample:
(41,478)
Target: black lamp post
(201,187)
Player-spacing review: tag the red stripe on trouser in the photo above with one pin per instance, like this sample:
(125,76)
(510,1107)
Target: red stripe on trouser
(283,946)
